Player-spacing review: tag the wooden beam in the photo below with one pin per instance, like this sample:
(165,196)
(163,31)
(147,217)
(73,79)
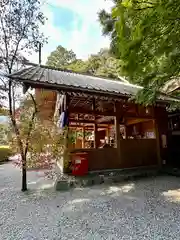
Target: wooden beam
(95,124)
(125,128)
(117,130)
(132,115)
(108,134)
(121,111)
(105,119)
(89,122)
(79,124)
(89,111)
(75,135)
(81,121)
(83,137)
(158,144)
(66,105)
(25,87)
(137,120)
(80,127)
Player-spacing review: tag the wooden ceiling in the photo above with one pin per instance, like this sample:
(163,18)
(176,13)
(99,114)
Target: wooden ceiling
(88,110)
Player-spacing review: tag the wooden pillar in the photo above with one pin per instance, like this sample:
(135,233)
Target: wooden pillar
(76,136)
(158,144)
(95,125)
(66,106)
(66,159)
(83,137)
(95,136)
(117,130)
(108,134)
(125,131)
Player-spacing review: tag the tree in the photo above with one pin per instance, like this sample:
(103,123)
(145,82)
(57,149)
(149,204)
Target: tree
(108,27)
(147,41)
(61,57)
(42,154)
(102,64)
(78,66)
(20,22)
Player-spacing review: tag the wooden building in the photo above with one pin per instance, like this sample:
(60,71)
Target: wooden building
(114,131)
(173,159)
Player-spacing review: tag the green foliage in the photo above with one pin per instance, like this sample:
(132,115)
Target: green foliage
(61,57)
(5,152)
(4,131)
(3,112)
(101,64)
(104,64)
(78,65)
(46,142)
(42,133)
(19,30)
(145,36)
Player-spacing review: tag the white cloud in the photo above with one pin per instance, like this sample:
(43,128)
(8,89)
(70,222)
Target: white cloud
(86,8)
(52,33)
(83,40)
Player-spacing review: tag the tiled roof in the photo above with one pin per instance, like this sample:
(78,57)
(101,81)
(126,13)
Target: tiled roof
(69,81)
(65,80)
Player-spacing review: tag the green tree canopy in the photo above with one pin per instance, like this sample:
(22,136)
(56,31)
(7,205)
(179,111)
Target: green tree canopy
(102,64)
(145,36)
(61,57)
(78,65)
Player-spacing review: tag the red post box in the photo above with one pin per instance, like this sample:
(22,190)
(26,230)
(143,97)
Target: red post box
(79,164)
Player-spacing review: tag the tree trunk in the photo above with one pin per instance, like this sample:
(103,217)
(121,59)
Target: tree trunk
(24,177)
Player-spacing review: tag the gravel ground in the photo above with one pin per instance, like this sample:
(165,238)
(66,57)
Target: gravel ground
(144,209)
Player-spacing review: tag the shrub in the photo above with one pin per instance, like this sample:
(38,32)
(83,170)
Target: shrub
(5,152)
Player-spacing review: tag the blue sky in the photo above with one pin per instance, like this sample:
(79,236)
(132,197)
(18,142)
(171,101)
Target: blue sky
(63,18)
(3,119)
(74,25)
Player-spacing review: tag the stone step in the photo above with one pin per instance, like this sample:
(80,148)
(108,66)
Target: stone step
(68,182)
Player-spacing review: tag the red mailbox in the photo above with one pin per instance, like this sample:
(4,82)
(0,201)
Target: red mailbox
(79,164)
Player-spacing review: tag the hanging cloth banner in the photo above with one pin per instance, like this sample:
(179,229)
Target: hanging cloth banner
(63,120)
(57,107)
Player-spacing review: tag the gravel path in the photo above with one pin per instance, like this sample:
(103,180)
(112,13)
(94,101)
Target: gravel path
(145,209)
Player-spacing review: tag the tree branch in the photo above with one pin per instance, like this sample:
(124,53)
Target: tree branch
(13,120)
(30,125)
(140,9)
(144,2)
(5,42)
